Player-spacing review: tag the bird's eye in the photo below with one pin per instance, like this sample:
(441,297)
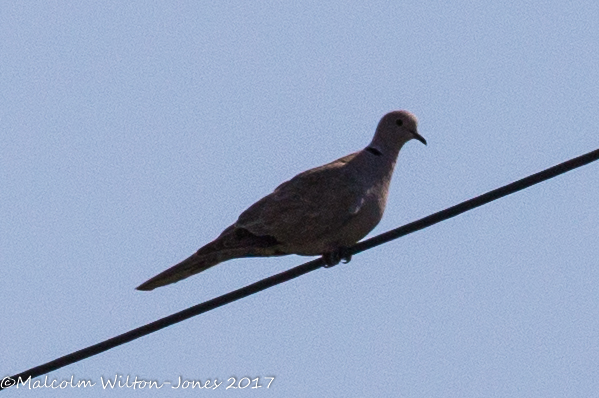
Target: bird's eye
(399,122)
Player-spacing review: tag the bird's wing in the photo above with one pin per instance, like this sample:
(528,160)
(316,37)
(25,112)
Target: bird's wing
(314,203)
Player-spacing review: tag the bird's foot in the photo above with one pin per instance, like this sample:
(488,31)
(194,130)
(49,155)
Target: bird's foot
(333,258)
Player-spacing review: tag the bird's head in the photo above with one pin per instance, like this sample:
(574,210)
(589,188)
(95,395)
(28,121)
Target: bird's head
(395,129)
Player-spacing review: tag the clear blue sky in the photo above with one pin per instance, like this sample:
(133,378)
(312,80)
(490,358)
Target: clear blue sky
(131,133)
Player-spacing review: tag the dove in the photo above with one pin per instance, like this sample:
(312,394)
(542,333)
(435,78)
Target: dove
(320,212)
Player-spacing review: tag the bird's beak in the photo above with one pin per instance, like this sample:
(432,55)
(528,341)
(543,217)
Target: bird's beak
(418,136)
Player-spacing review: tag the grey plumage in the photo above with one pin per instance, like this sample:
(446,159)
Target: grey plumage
(317,212)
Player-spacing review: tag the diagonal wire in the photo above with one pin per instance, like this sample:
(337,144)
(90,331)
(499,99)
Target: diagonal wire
(302,269)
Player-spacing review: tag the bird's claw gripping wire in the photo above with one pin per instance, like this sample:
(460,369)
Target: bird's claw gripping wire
(333,258)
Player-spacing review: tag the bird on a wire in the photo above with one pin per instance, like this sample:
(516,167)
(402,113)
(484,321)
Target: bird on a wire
(321,211)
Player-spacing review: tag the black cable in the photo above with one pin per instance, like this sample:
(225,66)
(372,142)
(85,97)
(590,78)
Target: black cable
(302,269)
(478,201)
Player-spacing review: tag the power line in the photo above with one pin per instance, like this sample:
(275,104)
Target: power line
(478,201)
(303,269)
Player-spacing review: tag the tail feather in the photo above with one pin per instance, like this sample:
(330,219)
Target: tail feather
(186,268)
(232,243)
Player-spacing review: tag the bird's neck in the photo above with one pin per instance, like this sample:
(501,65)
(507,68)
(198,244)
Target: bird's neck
(379,160)
(387,153)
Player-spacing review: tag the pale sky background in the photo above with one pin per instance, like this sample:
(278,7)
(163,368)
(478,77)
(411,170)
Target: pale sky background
(132,133)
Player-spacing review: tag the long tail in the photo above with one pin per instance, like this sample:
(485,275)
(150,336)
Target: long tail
(190,266)
(232,243)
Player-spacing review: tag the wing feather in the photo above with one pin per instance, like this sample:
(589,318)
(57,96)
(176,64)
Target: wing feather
(312,204)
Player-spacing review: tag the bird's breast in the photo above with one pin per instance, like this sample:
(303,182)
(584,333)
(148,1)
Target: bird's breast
(365,217)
